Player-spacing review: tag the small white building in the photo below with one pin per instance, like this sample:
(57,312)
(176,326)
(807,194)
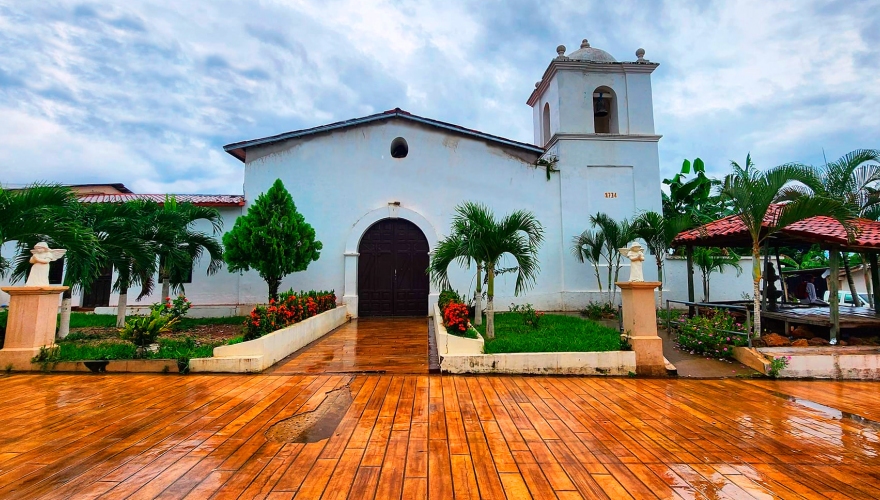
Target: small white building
(380,190)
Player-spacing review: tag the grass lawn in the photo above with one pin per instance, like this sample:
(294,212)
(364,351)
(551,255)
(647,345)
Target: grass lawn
(556,333)
(118,349)
(88,320)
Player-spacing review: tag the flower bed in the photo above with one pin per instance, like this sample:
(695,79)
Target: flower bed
(461,355)
(711,334)
(455,315)
(290,308)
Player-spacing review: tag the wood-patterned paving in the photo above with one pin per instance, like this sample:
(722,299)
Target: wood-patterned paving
(420,436)
(384,345)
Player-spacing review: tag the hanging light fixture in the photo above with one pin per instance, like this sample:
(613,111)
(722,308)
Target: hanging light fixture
(601,107)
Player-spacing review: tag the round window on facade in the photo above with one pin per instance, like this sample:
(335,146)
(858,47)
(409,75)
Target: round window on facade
(399,148)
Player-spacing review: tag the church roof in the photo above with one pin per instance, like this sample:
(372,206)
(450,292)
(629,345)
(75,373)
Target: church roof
(205,200)
(237,149)
(587,53)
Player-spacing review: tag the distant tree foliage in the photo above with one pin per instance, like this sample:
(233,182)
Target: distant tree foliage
(273,238)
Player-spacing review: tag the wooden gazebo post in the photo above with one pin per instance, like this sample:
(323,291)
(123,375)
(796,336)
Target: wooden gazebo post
(689,251)
(834,299)
(875,280)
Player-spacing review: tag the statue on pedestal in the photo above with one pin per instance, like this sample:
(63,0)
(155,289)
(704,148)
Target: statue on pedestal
(41,256)
(636,256)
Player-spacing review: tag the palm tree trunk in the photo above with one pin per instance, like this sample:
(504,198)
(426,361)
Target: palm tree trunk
(490,309)
(616,277)
(660,279)
(869,288)
(756,289)
(705,288)
(478,296)
(121,305)
(610,283)
(64,323)
(166,288)
(849,280)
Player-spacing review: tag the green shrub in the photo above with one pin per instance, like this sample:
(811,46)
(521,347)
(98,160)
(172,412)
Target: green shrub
(600,310)
(175,308)
(143,330)
(447,296)
(710,334)
(529,315)
(778,364)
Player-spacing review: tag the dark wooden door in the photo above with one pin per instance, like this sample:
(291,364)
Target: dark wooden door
(98,295)
(391,270)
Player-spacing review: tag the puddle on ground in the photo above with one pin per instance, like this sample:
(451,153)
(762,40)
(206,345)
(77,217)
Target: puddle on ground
(313,426)
(832,413)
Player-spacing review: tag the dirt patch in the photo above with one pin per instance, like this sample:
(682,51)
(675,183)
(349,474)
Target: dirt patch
(202,334)
(316,425)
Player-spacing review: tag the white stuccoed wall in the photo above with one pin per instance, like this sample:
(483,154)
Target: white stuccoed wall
(337,179)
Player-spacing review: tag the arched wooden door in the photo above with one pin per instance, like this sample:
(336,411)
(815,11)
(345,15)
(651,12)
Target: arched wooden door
(391,270)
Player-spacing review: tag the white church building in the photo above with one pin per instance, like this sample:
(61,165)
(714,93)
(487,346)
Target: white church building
(380,190)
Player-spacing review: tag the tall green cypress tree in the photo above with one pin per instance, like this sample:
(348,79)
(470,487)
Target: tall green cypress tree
(272,238)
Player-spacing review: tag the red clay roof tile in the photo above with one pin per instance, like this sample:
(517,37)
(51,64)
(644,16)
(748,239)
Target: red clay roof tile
(211,200)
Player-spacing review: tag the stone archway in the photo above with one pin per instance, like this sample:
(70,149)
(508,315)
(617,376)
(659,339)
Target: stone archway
(392,211)
(393,256)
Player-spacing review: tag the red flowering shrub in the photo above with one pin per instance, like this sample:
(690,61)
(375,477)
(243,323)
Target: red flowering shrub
(455,317)
(290,308)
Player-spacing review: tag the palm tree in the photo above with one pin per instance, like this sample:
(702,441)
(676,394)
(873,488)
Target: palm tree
(123,235)
(460,246)
(588,247)
(179,244)
(658,232)
(713,259)
(751,192)
(617,235)
(852,178)
(42,212)
(518,234)
(50,213)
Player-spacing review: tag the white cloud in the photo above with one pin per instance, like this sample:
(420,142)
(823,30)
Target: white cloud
(148,91)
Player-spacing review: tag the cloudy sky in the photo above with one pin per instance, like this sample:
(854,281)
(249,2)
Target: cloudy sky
(147,92)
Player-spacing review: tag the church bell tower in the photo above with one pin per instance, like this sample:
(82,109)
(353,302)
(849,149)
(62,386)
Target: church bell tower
(595,115)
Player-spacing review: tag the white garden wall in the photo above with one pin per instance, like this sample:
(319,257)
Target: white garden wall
(258,354)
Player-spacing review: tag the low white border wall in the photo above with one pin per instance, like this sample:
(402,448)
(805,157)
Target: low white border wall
(467,357)
(817,362)
(453,344)
(258,354)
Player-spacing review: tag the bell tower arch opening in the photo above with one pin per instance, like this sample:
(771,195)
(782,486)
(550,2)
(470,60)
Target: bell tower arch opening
(546,123)
(605,116)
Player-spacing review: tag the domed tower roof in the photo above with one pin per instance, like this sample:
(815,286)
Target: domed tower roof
(587,53)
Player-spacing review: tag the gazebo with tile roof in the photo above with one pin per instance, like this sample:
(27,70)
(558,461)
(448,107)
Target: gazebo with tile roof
(829,233)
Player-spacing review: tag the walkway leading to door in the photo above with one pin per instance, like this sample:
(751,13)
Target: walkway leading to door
(383,345)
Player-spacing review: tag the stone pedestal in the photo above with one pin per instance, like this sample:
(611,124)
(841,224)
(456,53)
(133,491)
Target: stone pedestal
(640,322)
(33,313)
